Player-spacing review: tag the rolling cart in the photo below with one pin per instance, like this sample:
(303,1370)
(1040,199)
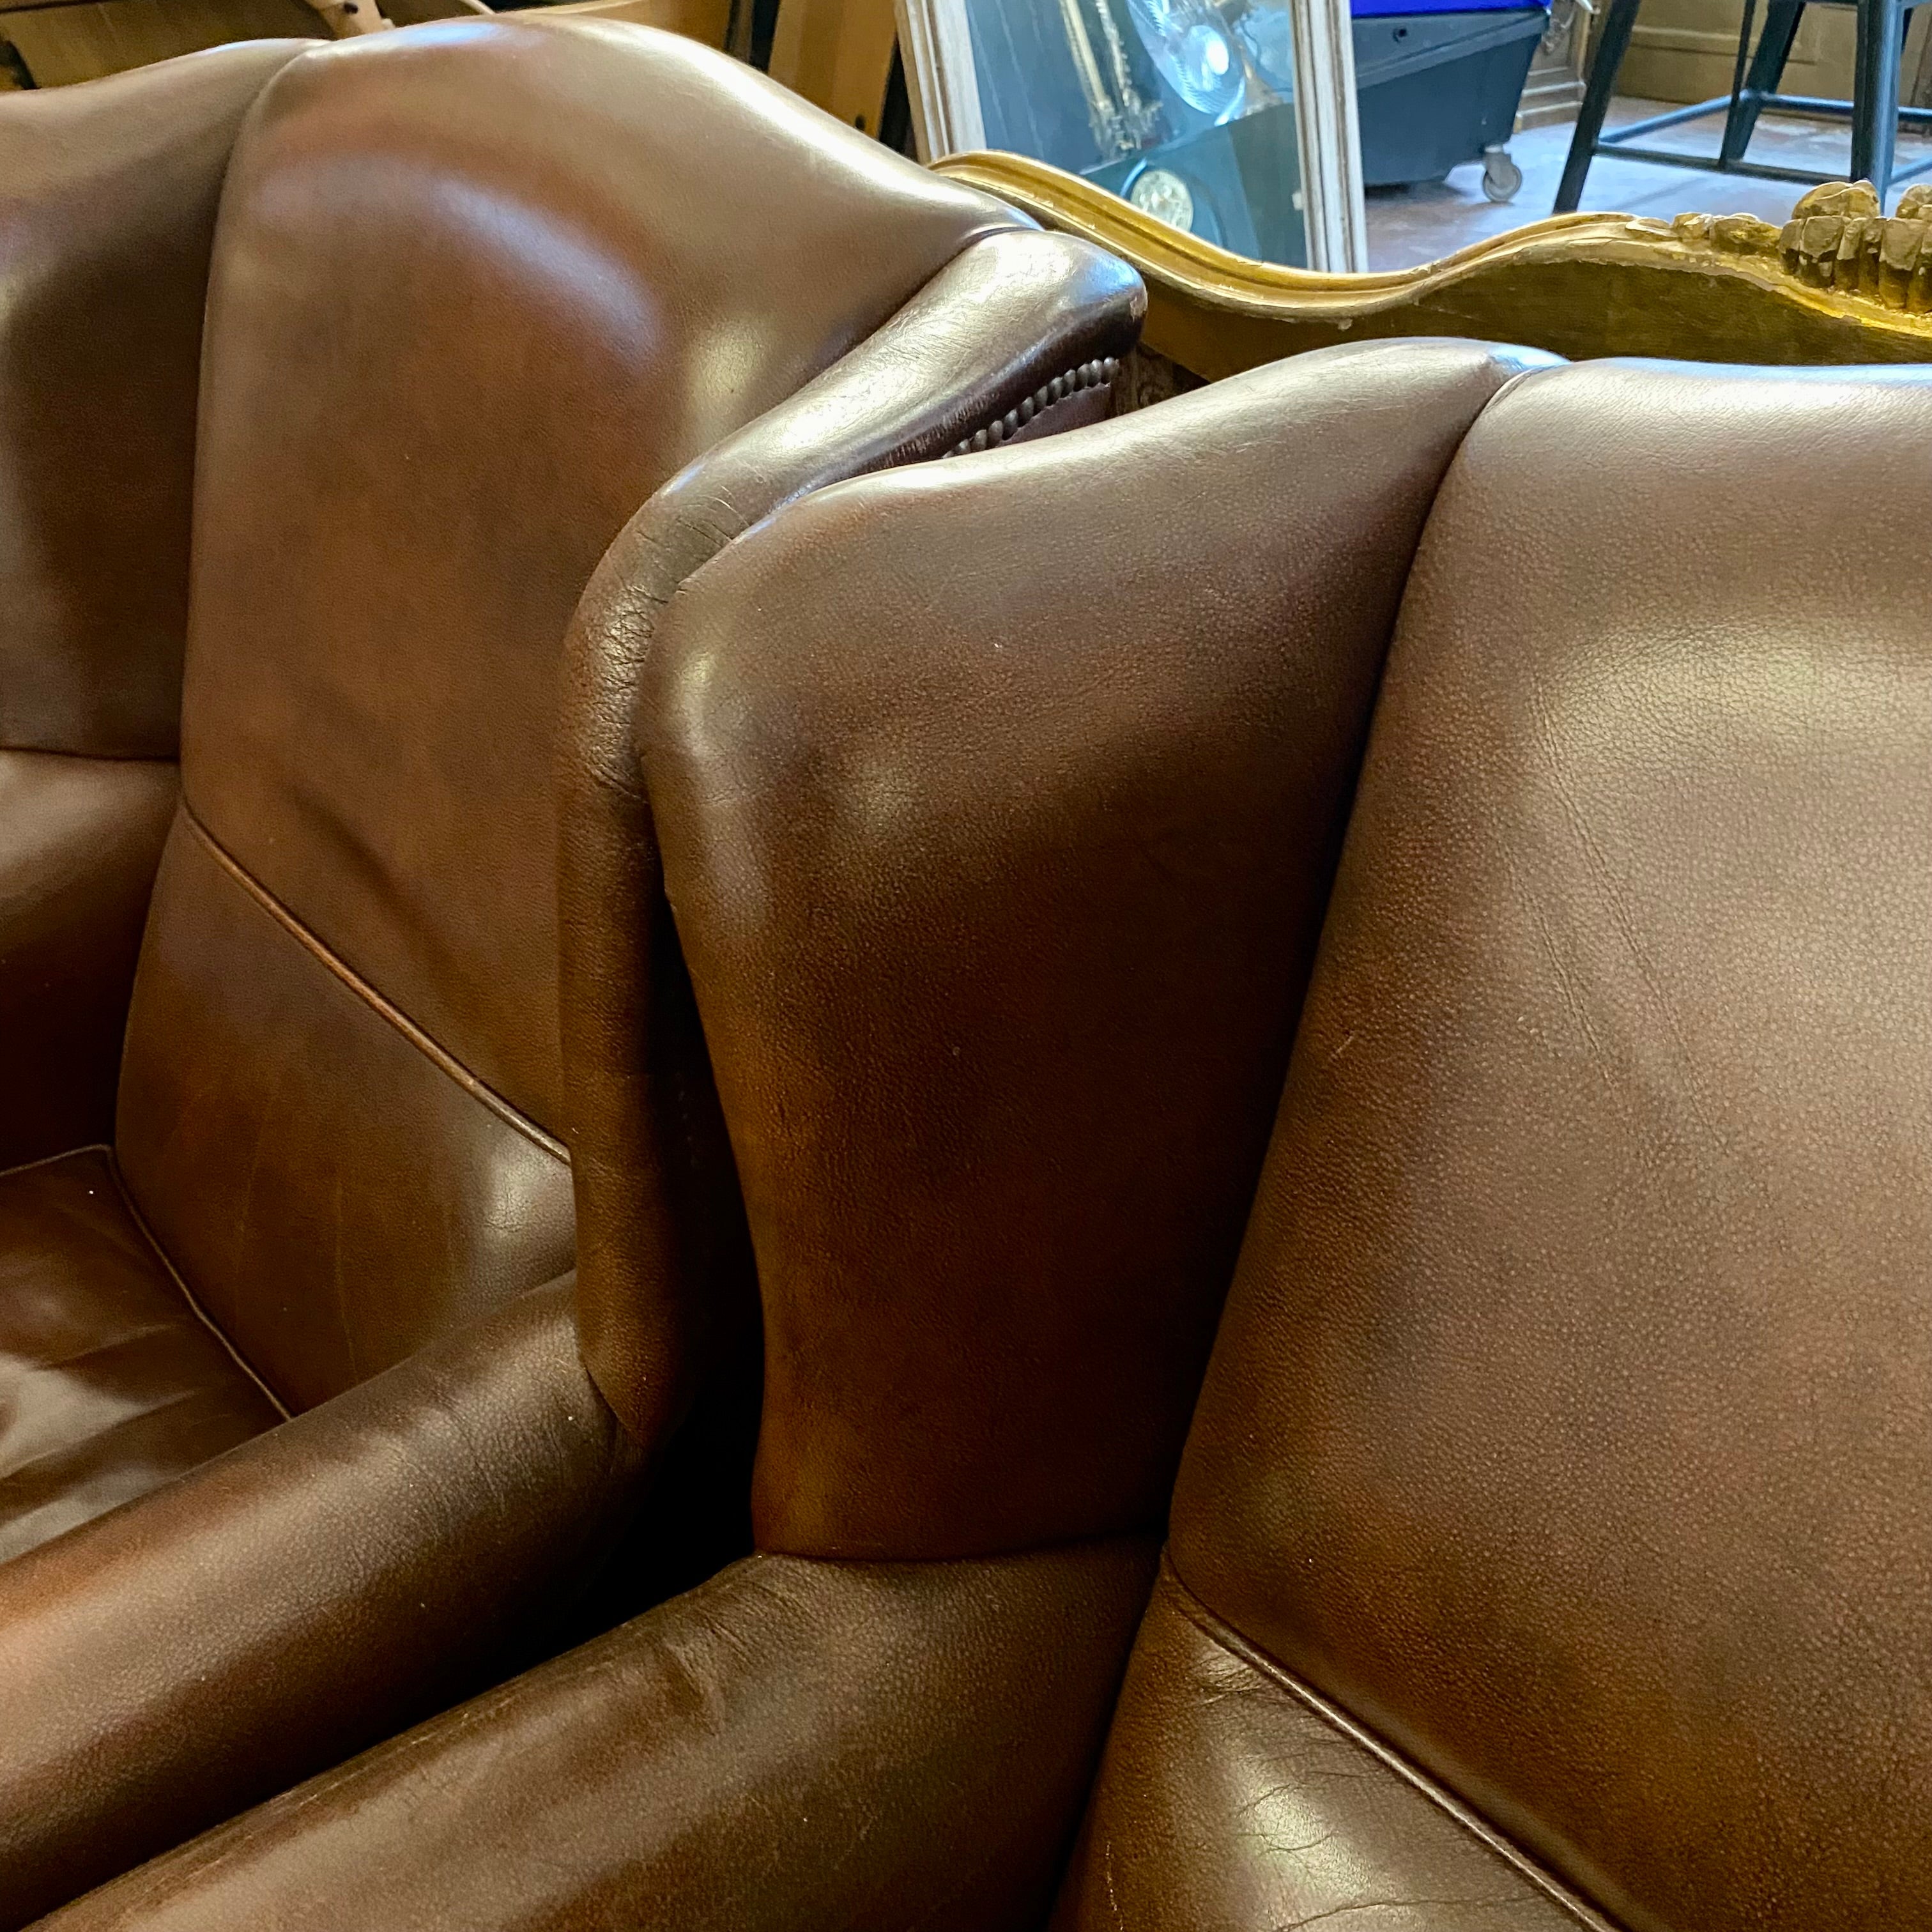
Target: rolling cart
(1438,82)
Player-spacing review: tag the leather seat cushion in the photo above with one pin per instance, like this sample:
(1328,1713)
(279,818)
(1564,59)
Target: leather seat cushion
(110,1383)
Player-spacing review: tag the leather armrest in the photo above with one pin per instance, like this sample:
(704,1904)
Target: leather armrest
(1020,327)
(796,1746)
(190,1653)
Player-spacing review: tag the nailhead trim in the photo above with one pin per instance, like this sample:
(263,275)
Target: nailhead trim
(1088,375)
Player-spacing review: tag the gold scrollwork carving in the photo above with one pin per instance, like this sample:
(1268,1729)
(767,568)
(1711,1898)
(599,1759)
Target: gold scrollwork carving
(1836,238)
(1839,282)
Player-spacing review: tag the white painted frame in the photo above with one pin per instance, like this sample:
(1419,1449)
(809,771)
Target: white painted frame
(942,83)
(1334,223)
(943,86)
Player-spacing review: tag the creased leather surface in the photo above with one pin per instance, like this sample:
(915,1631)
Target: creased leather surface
(1007,315)
(110,1384)
(107,203)
(997,828)
(79,839)
(333,1197)
(796,1747)
(284,1605)
(1226,1803)
(1582,1326)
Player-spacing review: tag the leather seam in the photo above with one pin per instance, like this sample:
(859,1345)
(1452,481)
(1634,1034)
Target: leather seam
(1223,1634)
(188,1294)
(439,1056)
(1064,388)
(67,752)
(1489,402)
(48,1160)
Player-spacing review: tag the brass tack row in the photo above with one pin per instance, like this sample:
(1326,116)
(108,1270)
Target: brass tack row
(1088,375)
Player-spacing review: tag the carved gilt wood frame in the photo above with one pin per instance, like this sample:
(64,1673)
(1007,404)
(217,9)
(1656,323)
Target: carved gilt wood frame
(1839,282)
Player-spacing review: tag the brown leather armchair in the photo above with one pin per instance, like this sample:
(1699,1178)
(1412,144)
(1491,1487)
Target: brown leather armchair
(997,837)
(1549,1549)
(1551,1546)
(478,293)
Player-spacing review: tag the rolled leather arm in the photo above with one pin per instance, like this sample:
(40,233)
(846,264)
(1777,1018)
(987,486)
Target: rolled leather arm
(191,1652)
(796,1746)
(1016,337)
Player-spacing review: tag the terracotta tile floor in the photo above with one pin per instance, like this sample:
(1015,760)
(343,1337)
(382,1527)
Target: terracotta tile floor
(1407,226)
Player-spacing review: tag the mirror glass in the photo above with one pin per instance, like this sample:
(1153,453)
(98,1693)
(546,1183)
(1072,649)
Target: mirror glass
(1185,108)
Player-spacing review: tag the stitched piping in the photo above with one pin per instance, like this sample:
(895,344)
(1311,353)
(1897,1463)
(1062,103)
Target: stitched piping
(88,757)
(1230,1639)
(397,1018)
(48,1160)
(1087,375)
(147,1233)
(186,1294)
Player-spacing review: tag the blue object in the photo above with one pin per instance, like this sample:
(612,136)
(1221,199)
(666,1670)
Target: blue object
(1375,10)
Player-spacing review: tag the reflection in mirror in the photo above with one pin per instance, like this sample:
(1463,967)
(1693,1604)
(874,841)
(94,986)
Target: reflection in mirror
(1159,101)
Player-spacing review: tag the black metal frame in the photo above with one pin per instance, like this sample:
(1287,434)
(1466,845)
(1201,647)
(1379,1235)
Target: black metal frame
(1873,112)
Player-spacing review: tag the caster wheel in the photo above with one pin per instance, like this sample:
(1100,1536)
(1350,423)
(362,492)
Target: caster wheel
(1502,177)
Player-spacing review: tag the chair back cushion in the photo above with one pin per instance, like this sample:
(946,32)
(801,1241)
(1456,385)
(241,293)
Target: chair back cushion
(108,195)
(479,289)
(1552,1542)
(998,800)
